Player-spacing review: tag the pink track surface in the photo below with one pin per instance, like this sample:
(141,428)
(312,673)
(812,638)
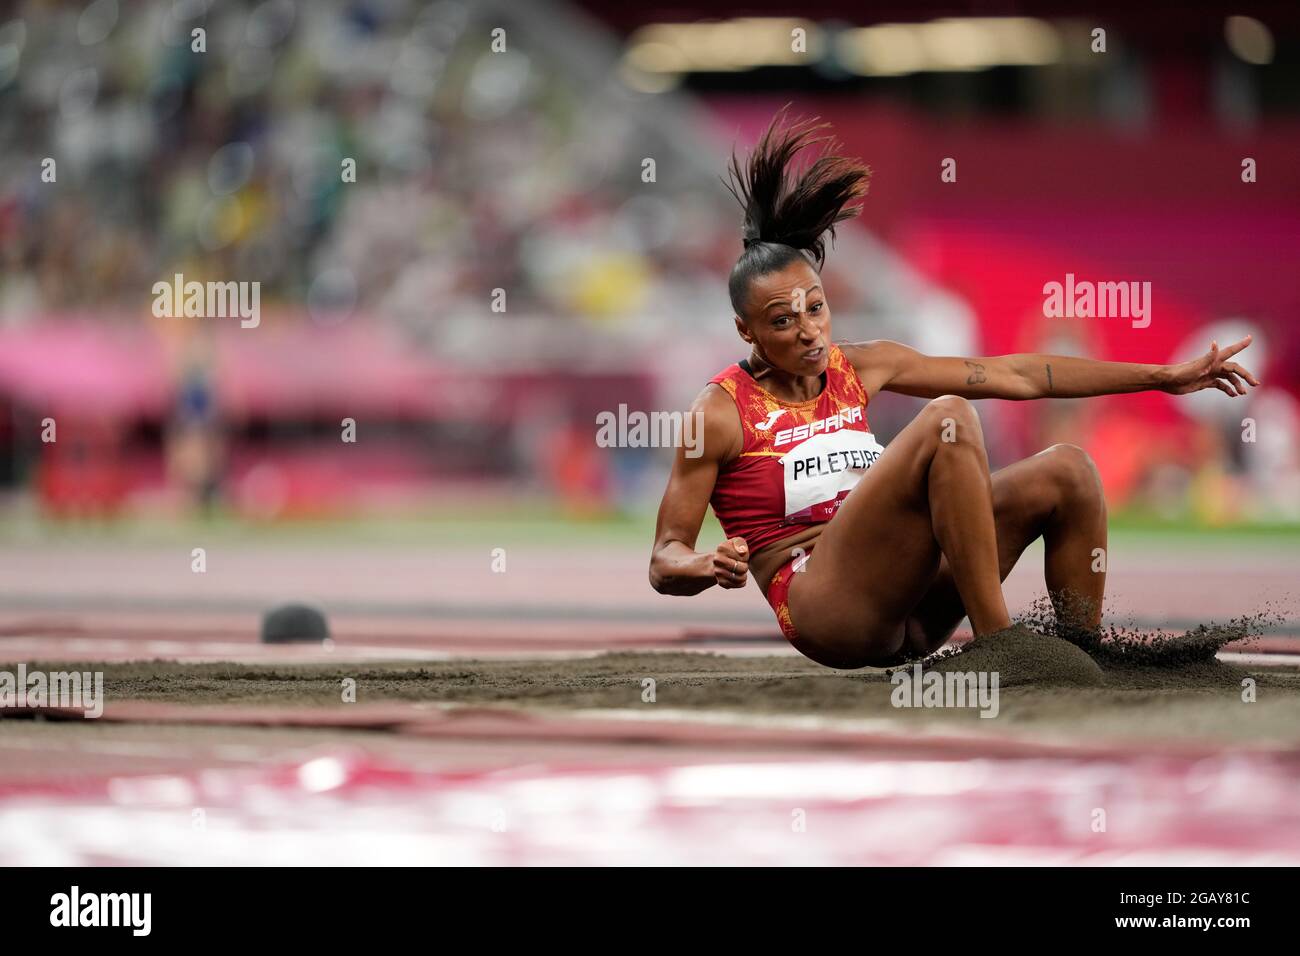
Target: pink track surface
(137,637)
(1162,583)
(100,602)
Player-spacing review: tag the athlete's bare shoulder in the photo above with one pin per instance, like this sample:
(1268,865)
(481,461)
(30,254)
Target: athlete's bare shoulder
(876,361)
(723,436)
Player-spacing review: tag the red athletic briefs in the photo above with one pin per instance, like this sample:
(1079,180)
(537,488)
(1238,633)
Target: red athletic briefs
(778,591)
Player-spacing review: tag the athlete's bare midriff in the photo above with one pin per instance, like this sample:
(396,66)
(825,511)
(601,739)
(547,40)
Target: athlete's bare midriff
(767,561)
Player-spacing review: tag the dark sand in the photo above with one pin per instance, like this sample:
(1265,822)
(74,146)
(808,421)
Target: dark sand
(1020,656)
(1201,700)
(1113,683)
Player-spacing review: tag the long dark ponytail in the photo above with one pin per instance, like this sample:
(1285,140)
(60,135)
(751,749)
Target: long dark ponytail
(787,217)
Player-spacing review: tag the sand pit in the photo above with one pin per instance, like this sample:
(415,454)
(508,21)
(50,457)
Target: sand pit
(1044,688)
(1121,682)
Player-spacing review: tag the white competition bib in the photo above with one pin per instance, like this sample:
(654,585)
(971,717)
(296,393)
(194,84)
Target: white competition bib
(822,469)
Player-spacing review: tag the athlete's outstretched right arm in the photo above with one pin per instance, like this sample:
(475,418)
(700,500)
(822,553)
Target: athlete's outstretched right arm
(675,566)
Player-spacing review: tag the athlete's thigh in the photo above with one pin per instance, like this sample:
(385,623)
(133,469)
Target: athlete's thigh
(877,556)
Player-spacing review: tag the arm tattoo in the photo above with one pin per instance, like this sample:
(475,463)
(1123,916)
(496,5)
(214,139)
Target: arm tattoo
(1049,377)
(976,376)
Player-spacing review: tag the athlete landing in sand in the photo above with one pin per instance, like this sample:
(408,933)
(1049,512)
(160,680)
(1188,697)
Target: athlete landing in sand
(908,540)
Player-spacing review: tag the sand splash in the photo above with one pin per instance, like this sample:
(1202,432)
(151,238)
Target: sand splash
(1125,643)
(1044,649)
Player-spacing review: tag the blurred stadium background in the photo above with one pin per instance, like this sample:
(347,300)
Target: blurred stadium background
(521,171)
(501,270)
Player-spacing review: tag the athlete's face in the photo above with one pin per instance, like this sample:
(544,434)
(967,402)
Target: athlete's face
(788,320)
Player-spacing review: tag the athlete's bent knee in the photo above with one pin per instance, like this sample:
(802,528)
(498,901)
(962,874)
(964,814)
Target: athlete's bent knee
(956,420)
(1074,472)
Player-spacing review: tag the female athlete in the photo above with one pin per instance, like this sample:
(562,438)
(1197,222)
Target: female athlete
(871,555)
